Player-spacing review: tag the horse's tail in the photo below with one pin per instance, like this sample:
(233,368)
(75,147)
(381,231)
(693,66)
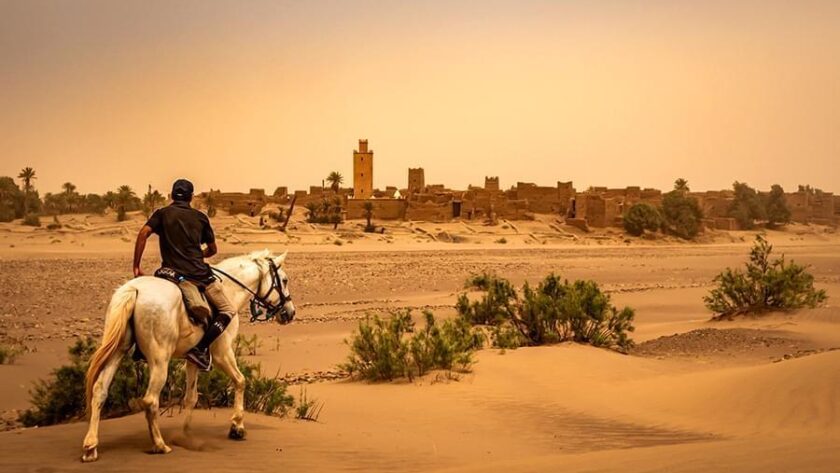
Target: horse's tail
(116,324)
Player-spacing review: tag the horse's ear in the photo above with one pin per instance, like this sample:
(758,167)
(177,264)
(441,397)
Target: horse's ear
(278,260)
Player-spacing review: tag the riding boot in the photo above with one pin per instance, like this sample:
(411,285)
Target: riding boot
(200,354)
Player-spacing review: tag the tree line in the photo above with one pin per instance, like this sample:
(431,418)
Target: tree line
(25,202)
(680,213)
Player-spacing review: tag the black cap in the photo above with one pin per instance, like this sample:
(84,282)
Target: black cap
(182,190)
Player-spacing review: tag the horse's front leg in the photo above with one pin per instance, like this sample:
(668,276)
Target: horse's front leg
(227,363)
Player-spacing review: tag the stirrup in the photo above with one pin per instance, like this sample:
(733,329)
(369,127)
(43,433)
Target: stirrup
(203,360)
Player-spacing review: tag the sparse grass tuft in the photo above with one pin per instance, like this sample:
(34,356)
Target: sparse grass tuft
(8,354)
(308,408)
(245,345)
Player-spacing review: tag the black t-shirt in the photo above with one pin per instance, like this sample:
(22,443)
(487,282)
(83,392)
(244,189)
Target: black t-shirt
(182,230)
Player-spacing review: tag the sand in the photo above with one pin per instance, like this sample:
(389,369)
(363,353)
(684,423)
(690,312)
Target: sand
(755,394)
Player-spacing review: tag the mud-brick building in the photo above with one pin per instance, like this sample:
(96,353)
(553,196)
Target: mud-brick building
(236,202)
(810,206)
(544,199)
(597,210)
(363,171)
(416,180)
(383,209)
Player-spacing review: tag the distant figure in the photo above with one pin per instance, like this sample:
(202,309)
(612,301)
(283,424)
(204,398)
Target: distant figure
(182,230)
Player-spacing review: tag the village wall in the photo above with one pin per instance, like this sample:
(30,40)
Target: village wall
(383,209)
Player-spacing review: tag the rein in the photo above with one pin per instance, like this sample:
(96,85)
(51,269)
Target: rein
(262,309)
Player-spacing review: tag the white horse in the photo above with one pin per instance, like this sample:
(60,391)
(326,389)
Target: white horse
(151,311)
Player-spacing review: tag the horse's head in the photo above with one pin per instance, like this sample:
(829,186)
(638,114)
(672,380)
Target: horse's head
(276,282)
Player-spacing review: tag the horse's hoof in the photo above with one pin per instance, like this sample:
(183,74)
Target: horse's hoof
(236,433)
(161,449)
(89,454)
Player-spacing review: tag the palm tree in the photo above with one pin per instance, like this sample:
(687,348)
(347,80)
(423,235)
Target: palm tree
(681,185)
(152,200)
(123,198)
(335,179)
(110,199)
(27,175)
(313,209)
(69,196)
(368,208)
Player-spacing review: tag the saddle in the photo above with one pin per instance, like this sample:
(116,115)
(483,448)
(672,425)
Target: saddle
(199,309)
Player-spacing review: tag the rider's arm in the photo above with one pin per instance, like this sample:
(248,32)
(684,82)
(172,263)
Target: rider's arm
(139,247)
(210,249)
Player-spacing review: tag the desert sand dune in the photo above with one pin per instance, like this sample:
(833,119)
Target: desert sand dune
(755,394)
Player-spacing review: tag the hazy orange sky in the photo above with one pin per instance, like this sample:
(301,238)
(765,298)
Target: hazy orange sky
(259,94)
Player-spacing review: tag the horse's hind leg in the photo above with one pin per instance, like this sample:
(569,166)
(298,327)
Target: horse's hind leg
(100,393)
(227,363)
(191,396)
(157,378)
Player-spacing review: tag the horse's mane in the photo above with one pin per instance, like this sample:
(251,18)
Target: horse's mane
(254,256)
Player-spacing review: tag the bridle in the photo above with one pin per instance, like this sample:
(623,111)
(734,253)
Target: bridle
(261,308)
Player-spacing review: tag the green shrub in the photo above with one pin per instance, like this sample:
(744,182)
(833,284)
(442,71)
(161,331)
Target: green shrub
(326,211)
(378,349)
(765,286)
(681,214)
(480,281)
(496,305)
(775,204)
(444,346)
(555,311)
(386,348)
(641,217)
(506,336)
(61,398)
(7,213)
(262,394)
(32,220)
(747,206)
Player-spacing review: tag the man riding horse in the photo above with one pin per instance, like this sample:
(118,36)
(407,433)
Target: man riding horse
(181,231)
(159,318)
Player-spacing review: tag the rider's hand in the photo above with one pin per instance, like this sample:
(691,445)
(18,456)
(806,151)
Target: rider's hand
(138,272)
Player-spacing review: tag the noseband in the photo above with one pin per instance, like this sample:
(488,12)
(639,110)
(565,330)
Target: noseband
(261,308)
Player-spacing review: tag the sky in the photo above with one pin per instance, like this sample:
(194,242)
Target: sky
(258,94)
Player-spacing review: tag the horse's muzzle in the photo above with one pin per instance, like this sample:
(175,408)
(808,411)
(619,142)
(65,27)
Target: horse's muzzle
(287,313)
